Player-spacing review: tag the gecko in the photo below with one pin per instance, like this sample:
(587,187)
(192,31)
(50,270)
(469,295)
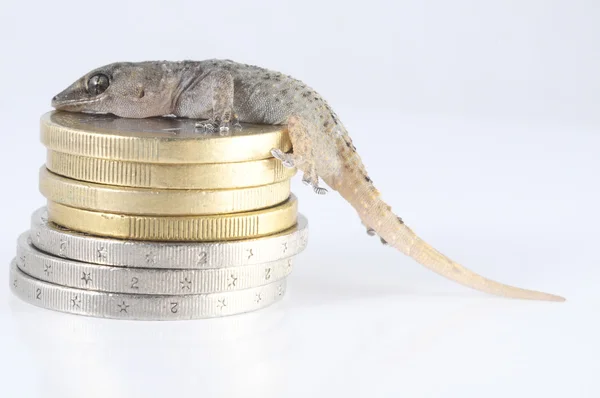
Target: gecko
(220,94)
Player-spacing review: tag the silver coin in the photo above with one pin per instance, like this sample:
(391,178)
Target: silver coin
(141,306)
(61,242)
(106,278)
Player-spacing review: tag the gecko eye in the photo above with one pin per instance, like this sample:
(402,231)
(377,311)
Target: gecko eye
(97,84)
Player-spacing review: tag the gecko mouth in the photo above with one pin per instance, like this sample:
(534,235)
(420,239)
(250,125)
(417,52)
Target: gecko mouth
(67,104)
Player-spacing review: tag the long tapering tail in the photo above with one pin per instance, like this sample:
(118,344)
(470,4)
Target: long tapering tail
(410,244)
(358,190)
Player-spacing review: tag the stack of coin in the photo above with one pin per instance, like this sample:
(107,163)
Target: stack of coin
(152,219)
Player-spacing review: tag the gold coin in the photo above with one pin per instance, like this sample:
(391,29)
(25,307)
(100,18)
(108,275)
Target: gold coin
(146,201)
(177,228)
(169,176)
(157,140)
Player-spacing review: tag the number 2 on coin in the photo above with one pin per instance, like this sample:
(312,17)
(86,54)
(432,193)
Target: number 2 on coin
(134,283)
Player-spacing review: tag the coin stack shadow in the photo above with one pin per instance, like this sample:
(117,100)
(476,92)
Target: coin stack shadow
(150,219)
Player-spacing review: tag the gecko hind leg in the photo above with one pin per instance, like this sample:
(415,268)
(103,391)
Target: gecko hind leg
(311,178)
(288,159)
(302,156)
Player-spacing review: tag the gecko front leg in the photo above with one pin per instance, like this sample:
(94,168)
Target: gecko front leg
(221,92)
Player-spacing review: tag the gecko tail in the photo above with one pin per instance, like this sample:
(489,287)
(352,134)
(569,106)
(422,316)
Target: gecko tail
(353,184)
(406,241)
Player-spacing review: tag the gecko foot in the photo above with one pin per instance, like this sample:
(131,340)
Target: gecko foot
(320,190)
(223,130)
(212,125)
(370,232)
(222,124)
(307,179)
(383,241)
(286,158)
(312,180)
(205,126)
(235,122)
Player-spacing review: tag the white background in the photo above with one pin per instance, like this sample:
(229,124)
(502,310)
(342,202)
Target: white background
(479,123)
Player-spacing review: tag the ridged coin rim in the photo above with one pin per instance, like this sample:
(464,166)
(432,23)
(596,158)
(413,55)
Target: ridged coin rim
(104,278)
(168,176)
(157,140)
(144,201)
(141,306)
(66,243)
(221,227)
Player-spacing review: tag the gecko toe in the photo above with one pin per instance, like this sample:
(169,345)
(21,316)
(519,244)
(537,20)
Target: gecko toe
(370,232)
(286,159)
(310,178)
(223,130)
(277,154)
(235,122)
(320,190)
(205,126)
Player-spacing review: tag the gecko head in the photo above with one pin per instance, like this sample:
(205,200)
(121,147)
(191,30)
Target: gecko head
(123,89)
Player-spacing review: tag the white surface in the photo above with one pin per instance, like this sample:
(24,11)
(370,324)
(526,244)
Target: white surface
(478,121)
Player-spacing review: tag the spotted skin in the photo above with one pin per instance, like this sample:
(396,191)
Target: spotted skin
(222,93)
